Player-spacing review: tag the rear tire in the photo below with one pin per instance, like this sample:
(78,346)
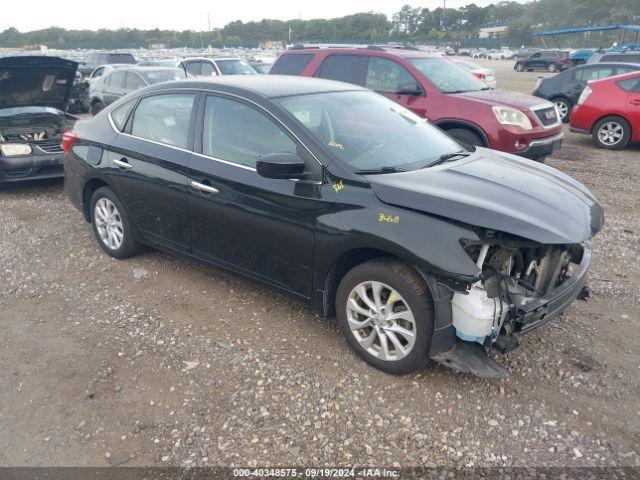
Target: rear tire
(564,108)
(111,225)
(611,133)
(552,67)
(466,137)
(96,107)
(392,333)
(519,67)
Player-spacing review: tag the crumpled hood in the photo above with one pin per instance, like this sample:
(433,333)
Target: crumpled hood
(35,81)
(501,192)
(505,97)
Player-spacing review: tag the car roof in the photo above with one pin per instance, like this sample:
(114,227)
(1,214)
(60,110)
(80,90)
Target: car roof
(610,64)
(269,86)
(396,52)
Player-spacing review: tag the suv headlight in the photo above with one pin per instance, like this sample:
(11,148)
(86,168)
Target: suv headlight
(511,116)
(12,149)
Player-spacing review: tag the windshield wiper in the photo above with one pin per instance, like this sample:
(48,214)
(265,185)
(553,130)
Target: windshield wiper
(447,157)
(385,169)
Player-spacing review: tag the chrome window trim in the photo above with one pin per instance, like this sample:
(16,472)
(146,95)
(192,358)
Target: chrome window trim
(195,92)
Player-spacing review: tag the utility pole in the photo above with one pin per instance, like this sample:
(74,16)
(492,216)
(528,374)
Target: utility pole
(444,8)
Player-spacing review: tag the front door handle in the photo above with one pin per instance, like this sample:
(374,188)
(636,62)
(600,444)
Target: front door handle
(122,163)
(203,187)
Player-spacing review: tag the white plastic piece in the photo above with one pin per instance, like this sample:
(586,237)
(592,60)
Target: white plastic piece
(475,315)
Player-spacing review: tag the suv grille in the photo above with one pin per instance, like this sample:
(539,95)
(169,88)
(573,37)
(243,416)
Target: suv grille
(50,145)
(547,116)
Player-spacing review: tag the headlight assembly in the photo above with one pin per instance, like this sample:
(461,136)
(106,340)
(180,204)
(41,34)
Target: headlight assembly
(511,116)
(13,149)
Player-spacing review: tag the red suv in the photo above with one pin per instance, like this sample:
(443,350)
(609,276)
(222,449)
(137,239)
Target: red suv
(609,110)
(442,92)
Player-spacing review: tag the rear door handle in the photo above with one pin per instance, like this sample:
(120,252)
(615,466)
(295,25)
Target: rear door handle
(204,187)
(634,102)
(123,163)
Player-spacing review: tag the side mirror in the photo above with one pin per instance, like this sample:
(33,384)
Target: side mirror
(410,88)
(280,165)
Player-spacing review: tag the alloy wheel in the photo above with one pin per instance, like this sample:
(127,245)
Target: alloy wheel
(563,109)
(381,321)
(108,223)
(610,133)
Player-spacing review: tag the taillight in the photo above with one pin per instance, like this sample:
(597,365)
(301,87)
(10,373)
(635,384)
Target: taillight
(564,59)
(480,75)
(584,95)
(68,139)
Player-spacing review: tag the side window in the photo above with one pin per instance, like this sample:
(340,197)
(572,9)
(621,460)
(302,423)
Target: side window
(602,72)
(208,70)
(121,114)
(621,70)
(291,64)
(384,75)
(536,55)
(133,82)
(117,79)
(629,84)
(240,134)
(345,68)
(98,72)
(194,68)
(164,118)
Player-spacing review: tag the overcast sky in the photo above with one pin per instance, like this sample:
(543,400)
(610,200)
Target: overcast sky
(188,14)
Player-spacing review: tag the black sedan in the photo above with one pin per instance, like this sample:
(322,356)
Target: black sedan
(344,199)
(116,84)
(564,89)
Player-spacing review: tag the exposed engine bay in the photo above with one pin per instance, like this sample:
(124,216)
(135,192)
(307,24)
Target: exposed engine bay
(39,133)
(513,275)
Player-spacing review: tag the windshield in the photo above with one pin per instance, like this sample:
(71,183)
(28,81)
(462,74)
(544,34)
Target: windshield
(368,131)
(447,76)
(158,76)
(235,67)
(121,58)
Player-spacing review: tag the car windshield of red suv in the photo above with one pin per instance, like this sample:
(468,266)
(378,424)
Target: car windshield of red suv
(447,76)
(370,132)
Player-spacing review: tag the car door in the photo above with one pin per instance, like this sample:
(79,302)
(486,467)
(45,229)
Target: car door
(387,77)
(114,87)
(633,109)
(534,61)
(261,227)
(147,163)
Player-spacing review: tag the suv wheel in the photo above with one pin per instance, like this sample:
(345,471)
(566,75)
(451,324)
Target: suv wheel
(111,225)
(386,315)
(564,108)
(612,133)
(552,67)
(519,67)
(467,137)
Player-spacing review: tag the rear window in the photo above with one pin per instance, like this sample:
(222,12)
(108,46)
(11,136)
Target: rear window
(121,58)
(291,64)
(345,68)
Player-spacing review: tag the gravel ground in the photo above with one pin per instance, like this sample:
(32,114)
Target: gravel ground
(159,360)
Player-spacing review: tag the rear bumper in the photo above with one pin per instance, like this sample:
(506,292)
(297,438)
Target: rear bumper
(542,147)
(31,167)
(554,303)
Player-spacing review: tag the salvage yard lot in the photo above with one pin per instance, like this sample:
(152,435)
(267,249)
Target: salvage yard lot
(159,360)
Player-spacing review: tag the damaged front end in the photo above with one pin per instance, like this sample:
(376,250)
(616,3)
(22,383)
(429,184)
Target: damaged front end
(522,285)
(34,92)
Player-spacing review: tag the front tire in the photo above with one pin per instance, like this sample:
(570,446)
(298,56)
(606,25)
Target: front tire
(466,137)
(96,107)
(612,133)
(385,313)
(519,67)
(552,67)
(111,225)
